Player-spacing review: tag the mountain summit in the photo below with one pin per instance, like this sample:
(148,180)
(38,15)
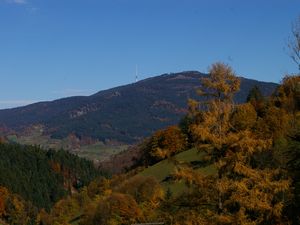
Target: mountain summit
(123,114)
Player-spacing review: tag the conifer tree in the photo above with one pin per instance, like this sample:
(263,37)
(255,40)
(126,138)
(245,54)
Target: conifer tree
(256,98)
(239,193)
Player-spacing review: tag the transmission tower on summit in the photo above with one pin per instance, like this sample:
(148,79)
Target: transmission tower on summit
(136,73)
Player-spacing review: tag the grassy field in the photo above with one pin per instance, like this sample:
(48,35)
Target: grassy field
(164,169)
(99,151)
(36,137)
(96,152)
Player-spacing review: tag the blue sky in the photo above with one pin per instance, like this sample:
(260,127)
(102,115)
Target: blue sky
(56,48)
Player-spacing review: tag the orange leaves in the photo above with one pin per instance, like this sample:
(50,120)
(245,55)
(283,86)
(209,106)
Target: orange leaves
(56,167)
(241,192)
(13,208)
(288,93)
(124,206)
(143,189)
(215,124)
(167,142)
(3,196)
(244,117)
(221,83)
(274,124)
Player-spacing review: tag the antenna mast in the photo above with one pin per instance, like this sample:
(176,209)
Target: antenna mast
(136,73)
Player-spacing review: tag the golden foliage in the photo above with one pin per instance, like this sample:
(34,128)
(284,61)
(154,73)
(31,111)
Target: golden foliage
(13,209)
(167,142)
(3,197)
(287,95)
(143,189)
(244,117)
(239,193)
(221,83)
(117,208)
(275,123)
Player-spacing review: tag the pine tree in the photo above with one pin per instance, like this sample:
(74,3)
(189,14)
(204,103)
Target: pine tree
(256,98)
(255,94)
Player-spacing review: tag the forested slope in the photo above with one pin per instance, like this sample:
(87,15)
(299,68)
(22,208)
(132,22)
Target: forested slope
(43,177)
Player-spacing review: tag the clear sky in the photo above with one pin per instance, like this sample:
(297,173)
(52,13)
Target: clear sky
(56,48)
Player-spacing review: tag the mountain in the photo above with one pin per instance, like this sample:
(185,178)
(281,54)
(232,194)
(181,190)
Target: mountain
(122,114)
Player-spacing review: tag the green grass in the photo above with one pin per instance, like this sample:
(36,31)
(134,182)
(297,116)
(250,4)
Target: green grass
(36,137)
(166,168)
(96,152)
(99,151)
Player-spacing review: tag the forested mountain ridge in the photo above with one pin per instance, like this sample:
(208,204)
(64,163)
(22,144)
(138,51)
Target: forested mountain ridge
(123,114)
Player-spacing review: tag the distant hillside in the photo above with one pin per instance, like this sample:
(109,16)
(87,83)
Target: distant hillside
(122,114)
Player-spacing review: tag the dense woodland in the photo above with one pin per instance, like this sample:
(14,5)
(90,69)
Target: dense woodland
(32,179)
(254,147)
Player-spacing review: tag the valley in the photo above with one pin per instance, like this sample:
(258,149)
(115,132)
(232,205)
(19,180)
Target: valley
(95,150)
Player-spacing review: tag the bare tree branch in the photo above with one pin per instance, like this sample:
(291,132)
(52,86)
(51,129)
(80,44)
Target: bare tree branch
(294,43)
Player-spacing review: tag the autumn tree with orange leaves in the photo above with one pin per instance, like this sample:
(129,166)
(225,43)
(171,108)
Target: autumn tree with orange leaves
(163,144)
(240,192)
